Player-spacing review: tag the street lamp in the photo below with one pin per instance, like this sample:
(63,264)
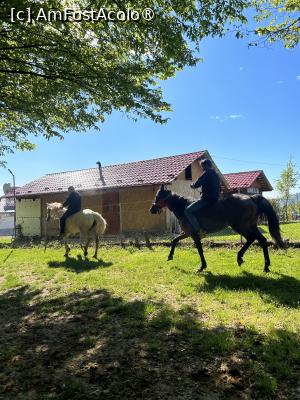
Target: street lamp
(14,185)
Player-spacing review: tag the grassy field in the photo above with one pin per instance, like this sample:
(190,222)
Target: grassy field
(134,326)
(290,231)
(5,239)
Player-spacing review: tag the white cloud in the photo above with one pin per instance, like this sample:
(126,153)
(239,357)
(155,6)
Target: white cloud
(226,117)
(279,82)
(298,77)
(241,68)
(235,116)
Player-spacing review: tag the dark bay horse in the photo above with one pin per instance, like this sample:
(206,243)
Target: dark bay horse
(239,211)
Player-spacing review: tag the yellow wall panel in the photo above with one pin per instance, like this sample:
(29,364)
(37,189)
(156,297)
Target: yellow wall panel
(28,215)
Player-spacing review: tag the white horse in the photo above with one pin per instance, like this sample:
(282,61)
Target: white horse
(88,223)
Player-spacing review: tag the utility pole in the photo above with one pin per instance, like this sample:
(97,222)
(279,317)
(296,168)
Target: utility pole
(14,187)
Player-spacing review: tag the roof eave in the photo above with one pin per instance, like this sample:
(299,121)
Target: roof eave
(39,194)
(270,187)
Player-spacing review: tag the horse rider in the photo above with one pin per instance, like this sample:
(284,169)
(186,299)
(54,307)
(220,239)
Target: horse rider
(210,183)
(73,203)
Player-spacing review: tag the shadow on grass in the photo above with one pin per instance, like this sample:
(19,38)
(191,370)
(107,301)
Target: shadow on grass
(7,257)
(79,264)
(283,289)
(89,345)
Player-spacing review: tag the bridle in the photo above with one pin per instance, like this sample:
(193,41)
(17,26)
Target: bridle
(161,203)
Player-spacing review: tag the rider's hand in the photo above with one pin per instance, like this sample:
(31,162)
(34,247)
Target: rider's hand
(192,186)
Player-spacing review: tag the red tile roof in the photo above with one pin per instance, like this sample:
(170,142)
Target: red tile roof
(139,173)
(243,180)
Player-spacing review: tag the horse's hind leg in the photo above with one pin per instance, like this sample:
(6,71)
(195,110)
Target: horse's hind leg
(264,244)
(242,251)
(198,244)
(174,243)
(96,246)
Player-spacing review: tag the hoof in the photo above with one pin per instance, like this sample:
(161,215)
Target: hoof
(200,270)
(95,257)
(267,269)
(240,261)
(170,258)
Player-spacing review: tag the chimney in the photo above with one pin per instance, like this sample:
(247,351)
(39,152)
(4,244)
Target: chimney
(100,172)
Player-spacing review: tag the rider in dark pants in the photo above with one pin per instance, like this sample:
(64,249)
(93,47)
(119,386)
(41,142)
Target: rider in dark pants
(73,203)
(210,183)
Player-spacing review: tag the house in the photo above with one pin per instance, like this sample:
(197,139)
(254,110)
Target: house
(122,193)
(7,211)
(248,182)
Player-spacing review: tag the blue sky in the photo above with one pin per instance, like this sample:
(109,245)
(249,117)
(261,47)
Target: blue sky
(241,104)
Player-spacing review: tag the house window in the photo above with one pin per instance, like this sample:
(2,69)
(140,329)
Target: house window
(188,173)
(252,190)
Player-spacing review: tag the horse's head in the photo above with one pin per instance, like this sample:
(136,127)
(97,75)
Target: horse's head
(54,211)
(160,200)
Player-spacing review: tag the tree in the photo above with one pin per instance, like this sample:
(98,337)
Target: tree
(280,21)
(7,187)
(276,204)
(287,181)
(68,75)
(58,75)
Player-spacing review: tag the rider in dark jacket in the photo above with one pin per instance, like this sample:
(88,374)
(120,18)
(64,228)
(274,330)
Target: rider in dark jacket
(210,183)
(73,203)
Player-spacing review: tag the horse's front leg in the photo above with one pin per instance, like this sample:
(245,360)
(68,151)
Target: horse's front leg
(67,247)
(85,248)
(198,244)
(174,243)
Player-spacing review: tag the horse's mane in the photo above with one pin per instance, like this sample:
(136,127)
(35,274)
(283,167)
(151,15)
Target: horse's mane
(180,201)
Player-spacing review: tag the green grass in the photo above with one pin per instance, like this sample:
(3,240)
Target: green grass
(5,239)
(134,326)
(290,231)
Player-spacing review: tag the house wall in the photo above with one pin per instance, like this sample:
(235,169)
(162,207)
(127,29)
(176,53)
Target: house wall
(28,212)
(135,216)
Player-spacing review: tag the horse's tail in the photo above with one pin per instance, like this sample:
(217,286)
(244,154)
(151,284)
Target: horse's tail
(99,223)
(264,207)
